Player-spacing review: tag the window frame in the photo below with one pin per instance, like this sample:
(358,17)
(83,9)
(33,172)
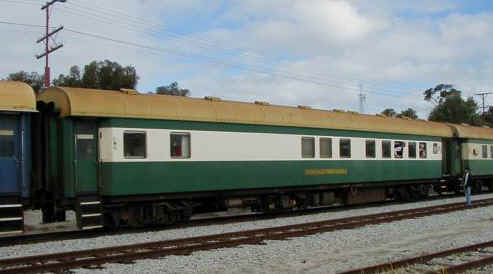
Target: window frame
(491,151)
(145,144)
(340,148)
(426,150)
(369,141)
(403,144)
(484,151)
(414,155)
(313,147)
(385,142)
(189,145)
(321,139)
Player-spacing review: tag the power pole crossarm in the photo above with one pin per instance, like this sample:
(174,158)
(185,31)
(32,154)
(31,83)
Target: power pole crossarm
(45,38)
(483,95)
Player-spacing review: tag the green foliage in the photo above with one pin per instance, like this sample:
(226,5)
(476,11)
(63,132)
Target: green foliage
(408,113)
(440,92)
(389,112)
(71,80)
(454,109)
(35,80)
(100,75)
(172,89)
(487,117)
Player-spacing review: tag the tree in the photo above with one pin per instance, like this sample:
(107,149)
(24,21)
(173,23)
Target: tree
(172,89)
(389,112)
(451,107)
(100,75)
(71,80)
(409,113)
(439,93)
(35,80)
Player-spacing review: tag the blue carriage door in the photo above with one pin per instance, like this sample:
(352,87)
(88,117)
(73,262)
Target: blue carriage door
(9,155)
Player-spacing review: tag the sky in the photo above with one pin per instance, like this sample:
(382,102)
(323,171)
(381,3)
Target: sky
(318,53)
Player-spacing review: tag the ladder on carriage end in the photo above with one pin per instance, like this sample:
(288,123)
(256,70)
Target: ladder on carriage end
(11,216)
(89,212)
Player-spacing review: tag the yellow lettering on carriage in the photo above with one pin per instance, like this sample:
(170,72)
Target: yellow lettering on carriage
(329,171)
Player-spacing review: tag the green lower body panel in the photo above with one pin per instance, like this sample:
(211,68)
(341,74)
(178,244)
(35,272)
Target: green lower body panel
(169,177)
(480,167)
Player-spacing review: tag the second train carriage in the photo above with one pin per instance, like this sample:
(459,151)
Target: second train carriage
(17,103)
(148,159)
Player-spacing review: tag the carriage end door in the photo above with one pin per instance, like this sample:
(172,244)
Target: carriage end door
(86,157)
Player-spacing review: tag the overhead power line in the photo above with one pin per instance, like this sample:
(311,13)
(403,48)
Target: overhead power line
(244,67)
(153,29)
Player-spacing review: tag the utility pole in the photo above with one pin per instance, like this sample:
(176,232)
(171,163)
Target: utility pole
(45,38)
(362,99)
(483,95)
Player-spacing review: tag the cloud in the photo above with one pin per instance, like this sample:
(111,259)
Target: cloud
(282,51)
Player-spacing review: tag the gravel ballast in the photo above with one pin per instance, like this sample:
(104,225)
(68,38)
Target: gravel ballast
(322,253)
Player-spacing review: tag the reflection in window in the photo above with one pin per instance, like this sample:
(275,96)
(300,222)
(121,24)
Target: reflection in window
(484,150)
(386,149)
(411,149)
(6,143)
(436,148)
(398,149)
(491,151)
(308,147)
(134,145)
(180,145)
(325,147)
(370,149)
(345,148)
(86,147)
(422,150)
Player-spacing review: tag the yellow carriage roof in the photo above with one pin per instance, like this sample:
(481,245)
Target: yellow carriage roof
(130,104)
(17,96)
(467,131)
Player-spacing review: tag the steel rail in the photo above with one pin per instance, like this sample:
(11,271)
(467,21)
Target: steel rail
(392,266)
(129,253)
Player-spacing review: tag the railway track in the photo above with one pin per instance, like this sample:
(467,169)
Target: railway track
(79,234)
(457,260)
(129,253)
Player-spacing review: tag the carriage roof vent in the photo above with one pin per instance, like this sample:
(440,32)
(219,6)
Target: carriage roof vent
(212,98)
(129,91)
(465,124)
(262,103)
(485,126)
(304,107)
(338,110)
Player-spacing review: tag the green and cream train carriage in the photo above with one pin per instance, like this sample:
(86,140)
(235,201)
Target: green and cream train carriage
(147,159)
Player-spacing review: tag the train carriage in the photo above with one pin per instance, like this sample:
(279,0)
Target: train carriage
(149,159)
(17,102)
(475,151)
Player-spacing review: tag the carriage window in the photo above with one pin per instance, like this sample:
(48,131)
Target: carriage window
(85,147)
(436,148)
(6,143)
(422,150)
(308,147)
(345,148)
(134,145)
(180,145)
(484,150)
(398,149)
(386,149)
(325,147)
(491,151)
(370,149)
(411,149)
